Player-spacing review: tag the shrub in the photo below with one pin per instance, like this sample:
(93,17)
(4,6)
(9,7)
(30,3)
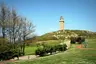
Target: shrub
(42,51)
(9,54)
(47,49)
(52,49)
(61,47)
(82,39)
(73,40)
(7,51)
(79,40)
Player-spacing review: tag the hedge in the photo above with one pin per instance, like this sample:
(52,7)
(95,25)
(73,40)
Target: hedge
(49,49)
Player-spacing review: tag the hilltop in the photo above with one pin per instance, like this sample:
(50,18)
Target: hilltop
(67,34)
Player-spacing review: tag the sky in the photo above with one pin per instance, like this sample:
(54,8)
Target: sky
(45,14)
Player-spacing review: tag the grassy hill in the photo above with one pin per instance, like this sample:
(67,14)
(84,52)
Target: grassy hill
(68,34)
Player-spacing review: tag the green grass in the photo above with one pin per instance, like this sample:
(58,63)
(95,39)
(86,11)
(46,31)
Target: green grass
(51,42)
(29,50)
(71,56)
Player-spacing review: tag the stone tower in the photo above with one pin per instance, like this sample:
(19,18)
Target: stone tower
(61,23)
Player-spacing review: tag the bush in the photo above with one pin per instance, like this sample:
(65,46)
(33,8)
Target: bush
(79,40)
(7,51)
(73,40)
(52,49)
(9,54)
(42,51)
(61,47)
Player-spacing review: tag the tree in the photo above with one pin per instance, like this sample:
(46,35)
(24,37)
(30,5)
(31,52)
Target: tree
(27,29)
(19,29)
(15,28)
(3,18)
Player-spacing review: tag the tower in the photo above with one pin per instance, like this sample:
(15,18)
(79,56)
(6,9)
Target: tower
(61,23)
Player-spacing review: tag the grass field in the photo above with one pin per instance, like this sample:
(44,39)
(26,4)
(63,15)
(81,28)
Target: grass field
(30,50)
(51,42)
(71,56)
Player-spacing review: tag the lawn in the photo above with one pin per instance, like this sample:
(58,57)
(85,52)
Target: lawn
(30,50)
(71,56)
(50,42)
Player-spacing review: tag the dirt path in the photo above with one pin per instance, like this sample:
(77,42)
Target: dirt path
(26,57)
(5,62)
(20,58)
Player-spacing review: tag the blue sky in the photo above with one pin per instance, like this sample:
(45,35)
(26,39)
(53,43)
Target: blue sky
(45,14)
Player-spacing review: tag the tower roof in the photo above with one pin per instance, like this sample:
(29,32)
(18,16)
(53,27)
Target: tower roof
(61,18)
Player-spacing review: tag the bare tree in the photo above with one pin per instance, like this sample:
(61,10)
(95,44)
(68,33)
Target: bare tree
(3,18)
(19,30)
(14,26)
(27,29)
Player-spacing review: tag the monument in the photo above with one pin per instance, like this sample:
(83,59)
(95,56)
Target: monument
(61,23)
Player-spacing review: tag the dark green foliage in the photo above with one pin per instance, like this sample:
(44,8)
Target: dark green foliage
(44,50)
(52,49)
(79,40)
(40,51)
(73,40)
(7,51)
(61,47)
(9,54)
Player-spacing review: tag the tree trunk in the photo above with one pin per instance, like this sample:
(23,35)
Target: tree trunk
(24,46)
(3,34)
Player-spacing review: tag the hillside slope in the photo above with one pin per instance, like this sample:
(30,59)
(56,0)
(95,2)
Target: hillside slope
(67,34)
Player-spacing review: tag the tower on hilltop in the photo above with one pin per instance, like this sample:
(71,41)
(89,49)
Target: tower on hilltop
(61,23)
